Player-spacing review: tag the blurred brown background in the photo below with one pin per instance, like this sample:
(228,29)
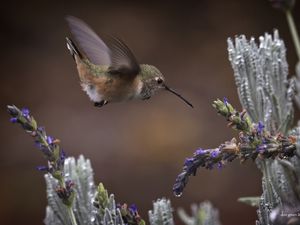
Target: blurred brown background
(137,148)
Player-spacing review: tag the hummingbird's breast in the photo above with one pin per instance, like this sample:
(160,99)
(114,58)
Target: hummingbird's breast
(116,89)
(100,85)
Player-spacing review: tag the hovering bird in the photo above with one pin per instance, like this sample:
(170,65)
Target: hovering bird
(108,70)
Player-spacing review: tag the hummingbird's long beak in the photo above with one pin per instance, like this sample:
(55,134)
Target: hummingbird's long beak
(178,95)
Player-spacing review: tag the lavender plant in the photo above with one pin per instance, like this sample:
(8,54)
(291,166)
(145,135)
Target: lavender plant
(73,197)
(62,185)
(254,142)
(265,125)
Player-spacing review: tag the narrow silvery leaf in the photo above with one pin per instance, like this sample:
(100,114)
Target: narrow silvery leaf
(252,201)
(260,72)
(161,213)
(51,218)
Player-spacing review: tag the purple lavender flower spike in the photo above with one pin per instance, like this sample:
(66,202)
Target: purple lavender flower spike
(133,208)
(254,141)
(225,100)
(189,161)
(261,148)
(200,151)
(13,120)
(50,140)
(62,155)
(25,112)
(260,127)
(180,183)
(41,129)
(49,147)
(214,153)
(43,168)
(38,144)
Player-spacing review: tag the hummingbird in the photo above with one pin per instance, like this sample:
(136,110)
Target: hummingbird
(108,70)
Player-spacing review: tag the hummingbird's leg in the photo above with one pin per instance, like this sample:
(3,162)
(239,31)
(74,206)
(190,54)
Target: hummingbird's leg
(101,103)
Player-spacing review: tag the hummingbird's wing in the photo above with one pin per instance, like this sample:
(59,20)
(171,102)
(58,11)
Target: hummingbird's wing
(123,60)
(94,48)
(113,52)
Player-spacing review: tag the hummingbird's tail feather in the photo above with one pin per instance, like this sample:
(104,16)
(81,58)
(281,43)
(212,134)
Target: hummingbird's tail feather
(73,49)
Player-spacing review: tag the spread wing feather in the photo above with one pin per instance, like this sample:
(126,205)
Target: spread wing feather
(113,52)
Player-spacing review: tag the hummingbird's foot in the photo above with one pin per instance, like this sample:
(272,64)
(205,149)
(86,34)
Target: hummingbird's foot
(101,103)
(146,98)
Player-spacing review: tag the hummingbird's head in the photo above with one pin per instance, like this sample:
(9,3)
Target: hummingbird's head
(152,77)
(153,80)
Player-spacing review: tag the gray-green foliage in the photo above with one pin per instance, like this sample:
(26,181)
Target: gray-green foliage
(94,206)
(297,97)
(81,173)
(265,92)
(161,213)
(202,214)
(108,213)
(260,72)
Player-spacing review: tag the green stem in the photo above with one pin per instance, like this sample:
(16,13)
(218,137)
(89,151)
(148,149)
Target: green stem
(293,31)
(62,183)
(71,215)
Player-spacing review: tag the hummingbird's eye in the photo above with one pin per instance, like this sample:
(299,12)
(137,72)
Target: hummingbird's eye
(159,80)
